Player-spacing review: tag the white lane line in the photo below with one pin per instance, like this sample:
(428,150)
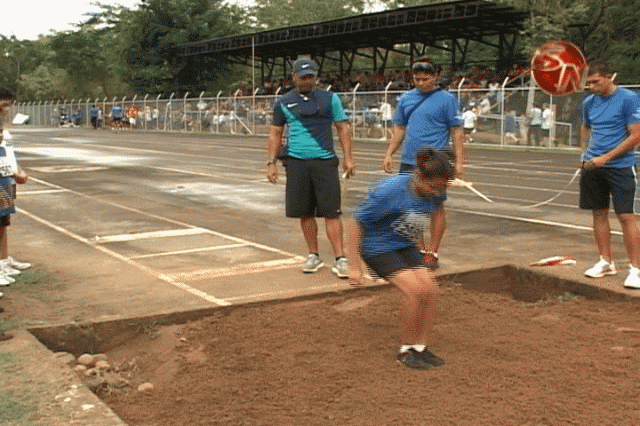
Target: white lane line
(291,293)
(149,271)
(196,250)
(42,191)
(510,163)
(529,220)
(149,235)
(250,268)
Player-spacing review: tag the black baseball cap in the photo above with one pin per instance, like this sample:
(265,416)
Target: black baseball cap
(305,66)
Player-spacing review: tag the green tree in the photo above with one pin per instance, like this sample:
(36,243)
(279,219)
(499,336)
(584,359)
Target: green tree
(83,54)
(147,38)
(45,83)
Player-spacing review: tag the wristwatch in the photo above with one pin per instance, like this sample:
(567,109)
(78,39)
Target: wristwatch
(271,161)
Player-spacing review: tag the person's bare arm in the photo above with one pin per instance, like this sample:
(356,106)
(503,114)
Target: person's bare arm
(274,145)
(344,137)
(396,140)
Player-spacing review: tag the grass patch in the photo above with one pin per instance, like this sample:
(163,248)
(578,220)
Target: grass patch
(34,282)
(17,406)
(15,409)
(7,325)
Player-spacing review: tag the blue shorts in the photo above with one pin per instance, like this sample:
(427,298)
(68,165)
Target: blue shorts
(392,262)
(599,185)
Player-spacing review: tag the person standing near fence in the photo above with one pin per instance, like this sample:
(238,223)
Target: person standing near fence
(427,116)
(609,134)
(313,185)
(533,134)
(93,116)
(547,122)
(469,119)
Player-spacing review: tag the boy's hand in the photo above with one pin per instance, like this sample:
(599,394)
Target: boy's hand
(20,176)
(356,278)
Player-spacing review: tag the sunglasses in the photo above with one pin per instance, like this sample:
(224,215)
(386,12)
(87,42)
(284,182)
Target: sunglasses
(424,67)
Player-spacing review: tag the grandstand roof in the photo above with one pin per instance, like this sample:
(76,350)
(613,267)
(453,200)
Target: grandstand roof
(426,24)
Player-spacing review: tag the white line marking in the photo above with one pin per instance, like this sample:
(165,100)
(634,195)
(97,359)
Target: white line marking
(66,169)
(42,191)
(175,222)
(153,273)
(536,221)
(291,293)
(251,268)
(148,235)
(178,252)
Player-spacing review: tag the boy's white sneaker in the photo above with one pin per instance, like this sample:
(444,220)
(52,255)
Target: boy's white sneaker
(15,264)
(5,280)
(633,279)
(601,269)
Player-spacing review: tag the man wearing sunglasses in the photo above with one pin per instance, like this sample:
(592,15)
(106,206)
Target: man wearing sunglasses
(427,116)
(313,183)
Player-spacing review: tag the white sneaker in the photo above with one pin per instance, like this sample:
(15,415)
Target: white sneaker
(5,280)
(5,269)
(633,279)
(601,269)
(17,264)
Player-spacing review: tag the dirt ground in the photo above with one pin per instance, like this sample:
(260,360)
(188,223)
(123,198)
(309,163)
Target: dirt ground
(331,360)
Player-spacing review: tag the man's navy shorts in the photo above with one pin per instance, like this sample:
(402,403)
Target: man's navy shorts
(313,188)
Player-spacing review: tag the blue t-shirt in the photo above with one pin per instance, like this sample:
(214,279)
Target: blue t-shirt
(608,117)
(116,112)
(426,123)
(393,215)
(309,119)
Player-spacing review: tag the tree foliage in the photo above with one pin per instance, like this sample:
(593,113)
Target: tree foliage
(148,38)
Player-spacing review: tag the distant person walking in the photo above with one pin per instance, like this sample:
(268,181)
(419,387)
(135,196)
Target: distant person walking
(535,123)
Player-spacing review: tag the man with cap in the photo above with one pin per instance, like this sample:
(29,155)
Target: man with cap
(310,161)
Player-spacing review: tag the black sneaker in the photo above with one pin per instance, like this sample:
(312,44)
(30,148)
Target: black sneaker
(413,359)
(430,358)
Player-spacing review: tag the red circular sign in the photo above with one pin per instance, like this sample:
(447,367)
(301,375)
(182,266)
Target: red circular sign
(558,68)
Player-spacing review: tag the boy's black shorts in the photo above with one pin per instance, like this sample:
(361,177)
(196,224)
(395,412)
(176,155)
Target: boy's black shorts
(599,185)
(313,188)
(390,263)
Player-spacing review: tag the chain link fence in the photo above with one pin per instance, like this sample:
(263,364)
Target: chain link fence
(503,114)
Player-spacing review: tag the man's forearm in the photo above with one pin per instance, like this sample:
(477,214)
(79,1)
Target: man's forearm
(396,140)
(275,142)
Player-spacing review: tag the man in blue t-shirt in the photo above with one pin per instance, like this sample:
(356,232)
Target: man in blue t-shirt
(387,226)
(313,185)
(427,116)
(610,132)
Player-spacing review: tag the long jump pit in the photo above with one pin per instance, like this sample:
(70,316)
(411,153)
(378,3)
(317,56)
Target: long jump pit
(521,348)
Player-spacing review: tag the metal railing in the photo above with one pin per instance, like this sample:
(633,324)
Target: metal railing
(502,114)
